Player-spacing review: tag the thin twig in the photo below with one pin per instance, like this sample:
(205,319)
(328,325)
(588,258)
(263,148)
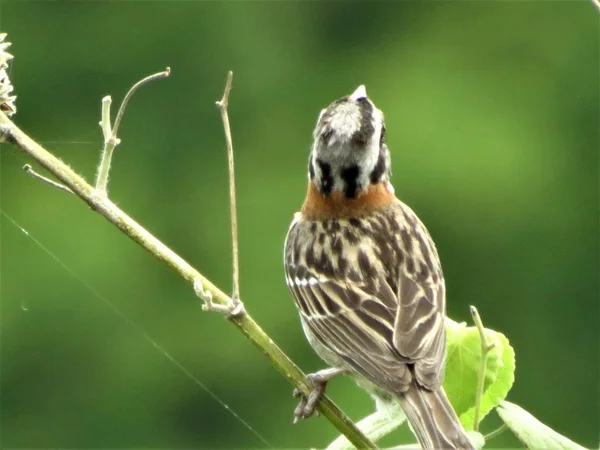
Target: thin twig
(223,105)
(107,151)
(110,132)
(497,432)
(27,168)
(280,361)
(485,349)
(157,76)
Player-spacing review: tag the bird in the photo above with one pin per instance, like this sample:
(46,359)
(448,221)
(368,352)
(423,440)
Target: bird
(366,277)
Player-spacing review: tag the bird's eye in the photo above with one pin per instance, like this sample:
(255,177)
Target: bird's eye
(359,138)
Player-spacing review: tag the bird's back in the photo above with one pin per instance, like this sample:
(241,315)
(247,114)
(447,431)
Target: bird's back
(360,277)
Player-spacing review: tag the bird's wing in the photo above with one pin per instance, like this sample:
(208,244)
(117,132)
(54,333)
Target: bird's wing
(357,326)
(419,328)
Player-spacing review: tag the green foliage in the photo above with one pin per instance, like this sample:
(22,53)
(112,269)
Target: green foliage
(462,376)
(462,371)
(530,431)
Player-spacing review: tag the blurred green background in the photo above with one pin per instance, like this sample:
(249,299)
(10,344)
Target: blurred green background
(492,115)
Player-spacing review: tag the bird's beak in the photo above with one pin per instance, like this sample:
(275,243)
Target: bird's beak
(360,92)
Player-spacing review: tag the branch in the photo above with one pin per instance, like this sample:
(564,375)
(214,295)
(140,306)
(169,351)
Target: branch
(110,132)
(485,350)
(27,168)
(497,432)
(223,105)
(103,206)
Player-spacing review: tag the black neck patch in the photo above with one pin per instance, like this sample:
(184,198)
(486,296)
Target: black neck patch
(350,177)
(325,184)
(379,169)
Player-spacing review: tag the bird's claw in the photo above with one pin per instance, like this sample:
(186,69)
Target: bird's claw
(308,404)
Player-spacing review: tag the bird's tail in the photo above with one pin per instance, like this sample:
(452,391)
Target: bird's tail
(433,419)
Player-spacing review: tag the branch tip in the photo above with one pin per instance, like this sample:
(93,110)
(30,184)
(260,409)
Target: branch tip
(485,349)
(105,119)
(224,102)
(135,87)
(27,168)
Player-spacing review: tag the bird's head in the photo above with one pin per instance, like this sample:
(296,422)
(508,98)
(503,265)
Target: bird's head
(349,151)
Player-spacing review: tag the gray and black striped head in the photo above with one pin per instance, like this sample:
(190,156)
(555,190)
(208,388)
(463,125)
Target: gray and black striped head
(349,151)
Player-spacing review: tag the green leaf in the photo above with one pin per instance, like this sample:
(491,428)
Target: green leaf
(462,370)
(530,431)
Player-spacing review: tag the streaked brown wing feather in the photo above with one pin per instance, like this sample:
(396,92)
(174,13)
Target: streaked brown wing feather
(419,329)
(361,336)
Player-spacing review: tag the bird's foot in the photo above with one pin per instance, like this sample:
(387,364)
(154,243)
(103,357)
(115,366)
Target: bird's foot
(308,404)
